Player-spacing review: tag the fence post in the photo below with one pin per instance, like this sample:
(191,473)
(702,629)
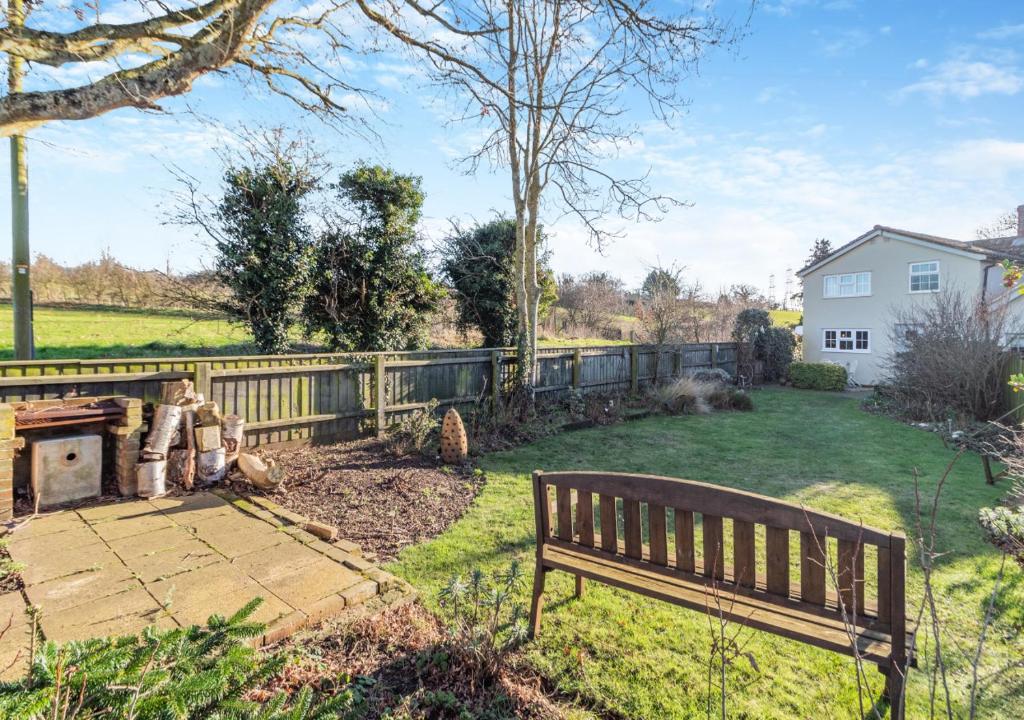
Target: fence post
(202,381)
(634,368)
(495,380)
(577,367)
(380,394)
(714,356)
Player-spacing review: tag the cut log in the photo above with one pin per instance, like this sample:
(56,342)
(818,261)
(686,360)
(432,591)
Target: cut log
(208,438)
(209,414)
(188,473)
(264,475)
(231,434)
(177,392)
(152,478)
(165,423)
(210,468)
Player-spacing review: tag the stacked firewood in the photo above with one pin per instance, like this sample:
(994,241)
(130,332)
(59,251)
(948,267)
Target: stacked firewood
(188,442)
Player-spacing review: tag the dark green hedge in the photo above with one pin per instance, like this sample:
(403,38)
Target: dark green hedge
(817,376)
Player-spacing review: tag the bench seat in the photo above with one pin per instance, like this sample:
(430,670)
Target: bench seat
(780,616)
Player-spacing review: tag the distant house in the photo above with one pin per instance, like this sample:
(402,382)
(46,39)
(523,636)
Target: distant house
(851,295)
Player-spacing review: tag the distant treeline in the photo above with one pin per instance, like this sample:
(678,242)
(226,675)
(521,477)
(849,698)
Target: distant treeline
(107,281)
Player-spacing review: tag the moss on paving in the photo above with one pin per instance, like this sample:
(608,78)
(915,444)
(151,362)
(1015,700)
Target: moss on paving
(643,658)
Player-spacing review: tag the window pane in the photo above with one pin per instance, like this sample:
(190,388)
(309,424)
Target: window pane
(864,283)
(831,283)
(862,339)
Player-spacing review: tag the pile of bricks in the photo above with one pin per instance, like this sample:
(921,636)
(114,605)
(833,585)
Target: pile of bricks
(9,445)
(127,434)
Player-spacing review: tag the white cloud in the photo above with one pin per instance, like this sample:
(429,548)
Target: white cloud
(965,79)
(1003,32)
(986,159)
(846,42)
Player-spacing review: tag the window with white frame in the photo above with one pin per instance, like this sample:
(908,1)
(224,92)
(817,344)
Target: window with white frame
(924,276)
(848,285)
(839,340)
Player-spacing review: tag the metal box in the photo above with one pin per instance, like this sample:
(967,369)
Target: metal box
(67,469)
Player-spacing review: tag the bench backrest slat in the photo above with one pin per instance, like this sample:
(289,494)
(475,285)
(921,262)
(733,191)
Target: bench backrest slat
(777,560)
(658,537)
(812,569)
(850,571)
(645,503)
(685,557)
(744,563)
(714,547)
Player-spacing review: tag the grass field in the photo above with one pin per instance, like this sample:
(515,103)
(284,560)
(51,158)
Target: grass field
(94,332)
(786,318)
(85,332)
(640,658)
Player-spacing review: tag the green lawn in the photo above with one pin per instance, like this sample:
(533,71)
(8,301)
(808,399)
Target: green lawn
(640,658)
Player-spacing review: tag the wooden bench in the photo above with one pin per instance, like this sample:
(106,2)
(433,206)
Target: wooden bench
(594,525)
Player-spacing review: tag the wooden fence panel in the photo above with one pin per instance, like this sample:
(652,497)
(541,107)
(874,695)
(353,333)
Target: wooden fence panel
(301,397)
(605,369)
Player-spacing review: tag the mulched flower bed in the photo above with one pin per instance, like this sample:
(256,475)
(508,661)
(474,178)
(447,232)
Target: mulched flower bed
(377,499)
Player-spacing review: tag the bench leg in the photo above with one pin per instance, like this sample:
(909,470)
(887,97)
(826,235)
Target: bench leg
(580,585)
(894,689)
(537,604)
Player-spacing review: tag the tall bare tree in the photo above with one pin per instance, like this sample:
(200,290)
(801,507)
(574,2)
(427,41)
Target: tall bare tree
(558,86)
(164,50)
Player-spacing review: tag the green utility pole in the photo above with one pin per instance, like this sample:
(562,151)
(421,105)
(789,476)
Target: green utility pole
(21,259)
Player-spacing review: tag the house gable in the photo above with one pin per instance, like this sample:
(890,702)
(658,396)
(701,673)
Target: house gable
(954,247)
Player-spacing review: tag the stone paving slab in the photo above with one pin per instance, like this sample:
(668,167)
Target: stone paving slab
(14,623)
(117,567)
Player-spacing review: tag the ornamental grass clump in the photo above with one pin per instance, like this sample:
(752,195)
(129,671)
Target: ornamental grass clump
(685,396)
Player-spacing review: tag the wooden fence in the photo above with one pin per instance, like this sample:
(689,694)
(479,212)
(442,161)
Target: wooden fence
(287,398)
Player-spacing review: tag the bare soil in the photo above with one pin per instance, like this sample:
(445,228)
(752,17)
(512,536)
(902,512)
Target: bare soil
(377,499)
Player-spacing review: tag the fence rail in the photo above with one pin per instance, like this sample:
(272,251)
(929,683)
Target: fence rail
(300,397)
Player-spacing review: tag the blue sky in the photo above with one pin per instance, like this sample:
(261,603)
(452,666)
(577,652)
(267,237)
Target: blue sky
(830,117)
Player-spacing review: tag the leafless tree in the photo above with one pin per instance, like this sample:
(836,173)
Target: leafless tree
(590,301)
(547,80)
(1003,226)
(164,49)
(662,314)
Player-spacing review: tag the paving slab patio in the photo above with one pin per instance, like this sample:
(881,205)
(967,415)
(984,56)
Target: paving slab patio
(113,569)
